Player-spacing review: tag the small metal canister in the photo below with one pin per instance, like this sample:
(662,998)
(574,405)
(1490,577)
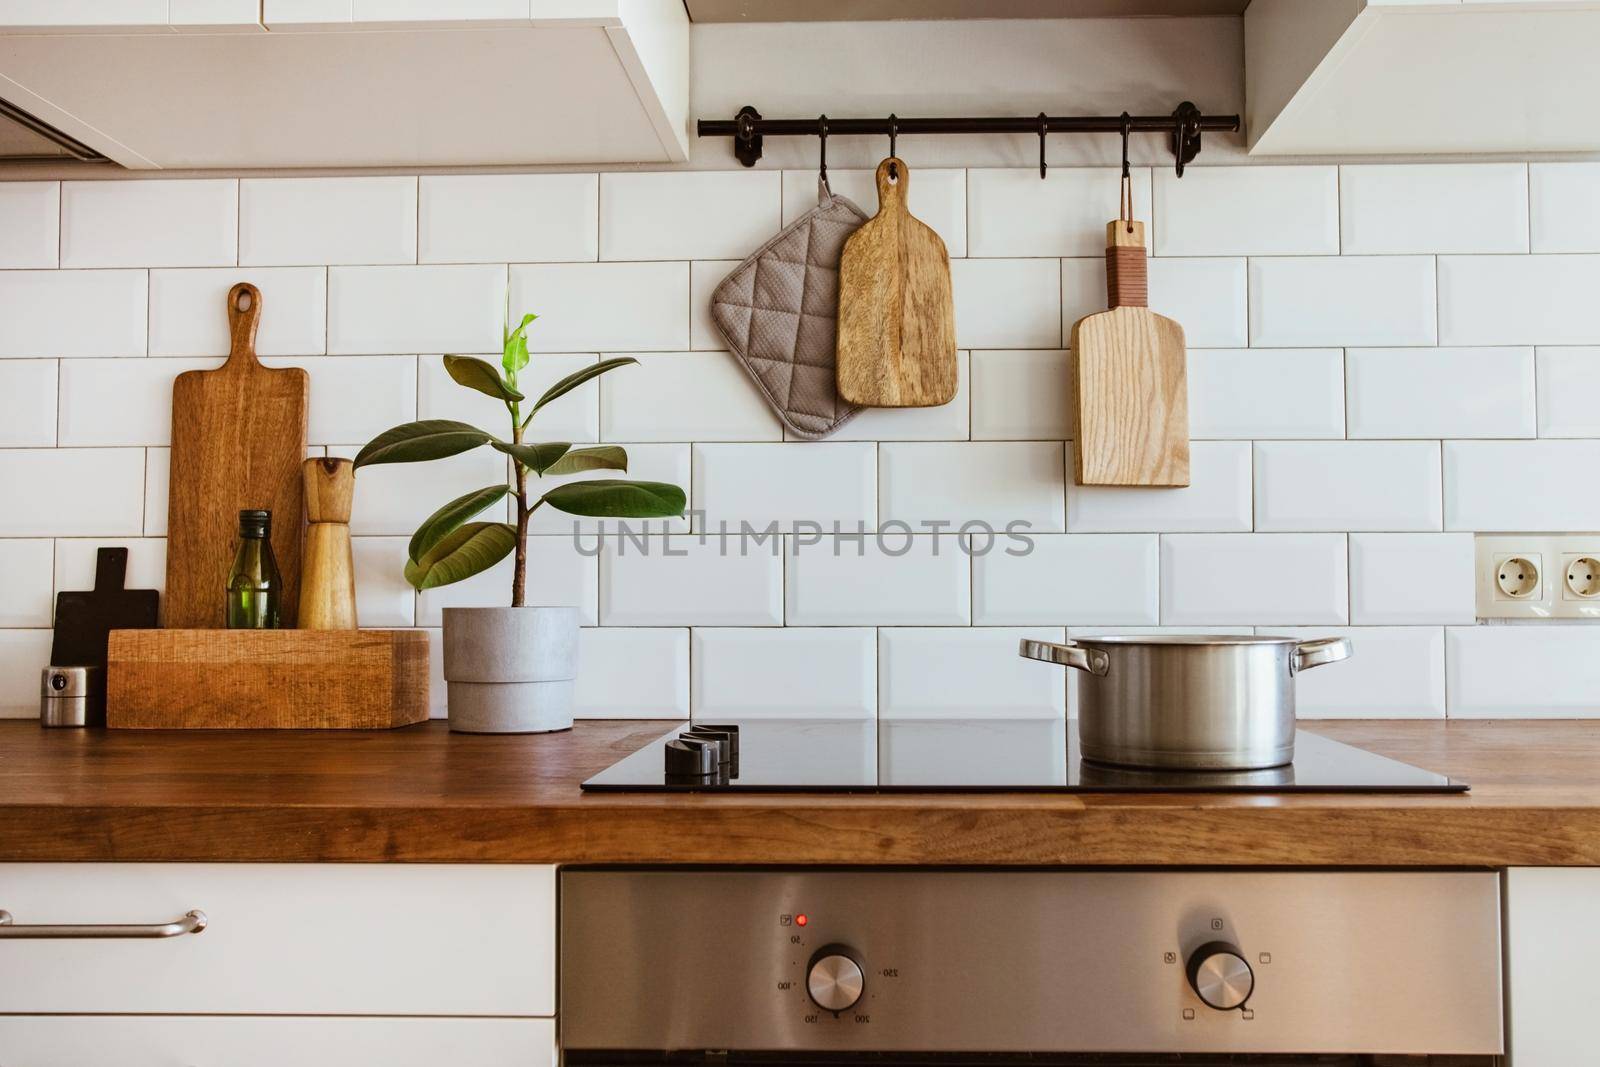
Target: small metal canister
(69,696)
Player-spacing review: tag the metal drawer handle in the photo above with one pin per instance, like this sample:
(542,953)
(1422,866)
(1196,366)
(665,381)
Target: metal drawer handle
(192,923)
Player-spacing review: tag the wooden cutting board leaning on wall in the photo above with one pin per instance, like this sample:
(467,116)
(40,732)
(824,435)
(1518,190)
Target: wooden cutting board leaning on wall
(897,324)
(1130,393)
(238,439)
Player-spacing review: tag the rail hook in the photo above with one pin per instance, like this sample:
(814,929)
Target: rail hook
(894,171)
(822,152)
(1044,128)
(1125,197)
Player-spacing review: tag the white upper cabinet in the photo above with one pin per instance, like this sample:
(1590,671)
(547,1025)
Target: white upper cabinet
(231,84)
(1353,77)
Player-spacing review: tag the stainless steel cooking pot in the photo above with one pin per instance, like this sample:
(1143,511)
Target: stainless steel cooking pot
(1187,702)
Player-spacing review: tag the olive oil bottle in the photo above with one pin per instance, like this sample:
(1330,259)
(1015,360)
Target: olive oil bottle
(255,588)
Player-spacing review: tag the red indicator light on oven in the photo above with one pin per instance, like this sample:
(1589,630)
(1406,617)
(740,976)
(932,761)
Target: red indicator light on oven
(800,920)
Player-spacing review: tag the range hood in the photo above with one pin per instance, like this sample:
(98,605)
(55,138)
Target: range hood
(354,83)
(24,139)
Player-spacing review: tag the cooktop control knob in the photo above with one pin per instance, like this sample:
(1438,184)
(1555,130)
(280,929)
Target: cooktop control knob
(1221,976)
(835,979)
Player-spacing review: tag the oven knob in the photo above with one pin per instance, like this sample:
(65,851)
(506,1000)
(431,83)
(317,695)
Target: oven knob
(1220,976)
(835,979)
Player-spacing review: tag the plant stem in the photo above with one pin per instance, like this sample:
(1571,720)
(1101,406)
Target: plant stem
(519,575)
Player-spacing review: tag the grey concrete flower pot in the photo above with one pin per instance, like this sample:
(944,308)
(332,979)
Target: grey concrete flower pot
(510,670)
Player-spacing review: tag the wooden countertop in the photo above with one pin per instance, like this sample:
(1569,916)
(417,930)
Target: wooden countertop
(424,795)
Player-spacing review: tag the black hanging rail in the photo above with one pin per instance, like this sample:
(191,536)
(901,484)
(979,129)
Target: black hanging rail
(1183,128)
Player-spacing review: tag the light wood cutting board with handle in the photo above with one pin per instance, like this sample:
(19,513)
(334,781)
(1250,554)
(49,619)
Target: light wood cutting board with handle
(238,439)
(897,324)
(1131,391)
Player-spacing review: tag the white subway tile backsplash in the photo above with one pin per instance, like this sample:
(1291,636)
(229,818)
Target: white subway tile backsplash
(1521,485)
(383,596)
(157,467)
(1021,396)
(71,492)
(1518,300)
(120,401)
(996,482)
(23,654)
(1205,296)
(1242,393)
(1318,301)
(786,484)
(1007,303)
(654,685)
(937,197)
(189,316)
(686,580)
(355,398)
(1068,579)
(76,559)
(1014,213)
(1566,206)
(610,307)
(294,221)
(1247,211)
(28,402)
(1261,579)
(684,396)
(1083,291)
(884,580)
(49,313)
(26,567)
(1394,672)
(946,422)
(1216,499)
(381,310)
(1441,392)
(149,223)
(1433,208)
(1569,382)
(30,218)
(1347,485)
(954,673)
(688,214)
(1398,578)
(488,218)
(790,673)
(704,277)
(562,572)
(1556,672)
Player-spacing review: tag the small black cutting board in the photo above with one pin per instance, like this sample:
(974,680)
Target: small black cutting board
(83,620)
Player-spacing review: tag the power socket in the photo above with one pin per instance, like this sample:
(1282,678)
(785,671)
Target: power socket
(1538,576)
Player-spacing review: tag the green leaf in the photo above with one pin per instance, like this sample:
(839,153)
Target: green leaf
(616,498)
(463,552)
(428,439)
(538,458)
(514,355)
(601,457)
(480,375)
(452,515)
(577,378)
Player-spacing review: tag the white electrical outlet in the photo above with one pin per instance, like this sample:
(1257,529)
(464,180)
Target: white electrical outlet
(1538,576)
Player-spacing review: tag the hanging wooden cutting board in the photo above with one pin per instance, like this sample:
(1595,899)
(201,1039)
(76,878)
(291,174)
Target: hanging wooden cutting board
(1131,391)
(238,438)
(897,325)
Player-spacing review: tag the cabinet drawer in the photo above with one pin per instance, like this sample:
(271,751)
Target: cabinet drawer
(246,1041)
(287,939)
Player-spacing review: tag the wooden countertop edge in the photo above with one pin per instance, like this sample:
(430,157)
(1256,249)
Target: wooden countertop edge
(1473,836)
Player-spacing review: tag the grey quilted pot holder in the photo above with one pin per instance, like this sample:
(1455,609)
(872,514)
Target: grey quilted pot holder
(778,311)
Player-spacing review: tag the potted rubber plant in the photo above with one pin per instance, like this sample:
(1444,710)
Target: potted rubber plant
(511,669)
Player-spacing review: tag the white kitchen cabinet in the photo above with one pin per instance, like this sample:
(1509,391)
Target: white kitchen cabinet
(308,83)
(285,939)
(1552,943)
(242,1041)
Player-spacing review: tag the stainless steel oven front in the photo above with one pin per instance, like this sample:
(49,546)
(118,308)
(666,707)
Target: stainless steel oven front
(1072,966)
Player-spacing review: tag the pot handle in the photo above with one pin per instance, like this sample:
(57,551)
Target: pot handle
(1070,654)
(1308,654)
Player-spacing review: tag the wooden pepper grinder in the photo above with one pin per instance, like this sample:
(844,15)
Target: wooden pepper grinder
(327,572)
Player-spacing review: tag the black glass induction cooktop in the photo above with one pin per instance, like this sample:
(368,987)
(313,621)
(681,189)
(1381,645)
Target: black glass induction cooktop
(970,755)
